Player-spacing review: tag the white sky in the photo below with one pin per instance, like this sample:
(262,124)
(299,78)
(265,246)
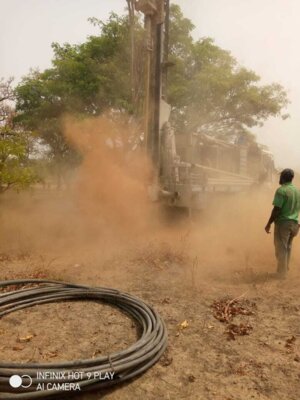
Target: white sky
(262,34)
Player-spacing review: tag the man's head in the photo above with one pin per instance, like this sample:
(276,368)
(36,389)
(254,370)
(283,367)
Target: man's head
(286,176)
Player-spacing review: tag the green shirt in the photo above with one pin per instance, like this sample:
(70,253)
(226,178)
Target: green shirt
(287,198)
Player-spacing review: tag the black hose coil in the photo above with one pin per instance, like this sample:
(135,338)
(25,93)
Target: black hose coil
(117,367)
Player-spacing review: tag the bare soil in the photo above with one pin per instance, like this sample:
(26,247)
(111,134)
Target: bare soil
(234,330)
(202,361)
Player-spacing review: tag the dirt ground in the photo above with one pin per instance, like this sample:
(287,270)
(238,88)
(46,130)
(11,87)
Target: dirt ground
(181,270)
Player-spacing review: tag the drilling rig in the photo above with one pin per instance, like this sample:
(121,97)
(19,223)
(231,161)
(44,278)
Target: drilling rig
(190,169)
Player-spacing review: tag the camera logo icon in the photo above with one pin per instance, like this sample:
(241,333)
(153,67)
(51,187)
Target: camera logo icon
(16,381)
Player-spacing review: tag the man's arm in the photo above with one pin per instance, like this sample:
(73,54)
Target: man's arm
(275,213)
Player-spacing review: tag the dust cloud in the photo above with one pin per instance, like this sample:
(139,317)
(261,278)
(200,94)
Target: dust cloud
(111,184)
(105,213)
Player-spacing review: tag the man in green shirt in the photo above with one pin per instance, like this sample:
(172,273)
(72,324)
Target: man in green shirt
(285,217)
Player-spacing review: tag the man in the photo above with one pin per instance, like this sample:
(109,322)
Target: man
(285,217)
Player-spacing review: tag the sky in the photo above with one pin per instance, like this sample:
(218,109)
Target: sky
(262,35)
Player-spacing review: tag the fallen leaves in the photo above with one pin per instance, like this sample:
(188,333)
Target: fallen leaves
(180,327)
(25,339)
(183,324)
(225,310)
(191,378)
(37,273)
(234,330)
(166,359)
(51,354)
(290,343)
(18,347)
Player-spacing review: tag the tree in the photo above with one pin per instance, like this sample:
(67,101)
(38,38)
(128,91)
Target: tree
(86,79)
(15,169)
(208,90)
(6,96)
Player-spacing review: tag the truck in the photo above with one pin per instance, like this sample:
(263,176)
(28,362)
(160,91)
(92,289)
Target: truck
(190,168)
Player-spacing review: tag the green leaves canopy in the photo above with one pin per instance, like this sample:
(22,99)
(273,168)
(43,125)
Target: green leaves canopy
(210,91)
(207,88)
(15,169)
(85,79)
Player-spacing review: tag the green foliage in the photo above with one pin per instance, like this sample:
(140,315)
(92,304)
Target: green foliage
(15,169)
(207,88)
(85,79)
(210,91)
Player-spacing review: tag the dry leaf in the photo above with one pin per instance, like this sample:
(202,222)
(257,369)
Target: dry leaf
(25,338)
(184,324)
(290,342)
(52,354)
(191,378)
(18,348)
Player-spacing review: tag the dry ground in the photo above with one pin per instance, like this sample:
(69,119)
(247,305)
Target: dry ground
(181,280)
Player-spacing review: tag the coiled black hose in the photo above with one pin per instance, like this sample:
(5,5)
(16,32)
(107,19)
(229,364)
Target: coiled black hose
(44,380)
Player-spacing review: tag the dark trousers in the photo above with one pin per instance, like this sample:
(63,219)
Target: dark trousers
(284,233)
